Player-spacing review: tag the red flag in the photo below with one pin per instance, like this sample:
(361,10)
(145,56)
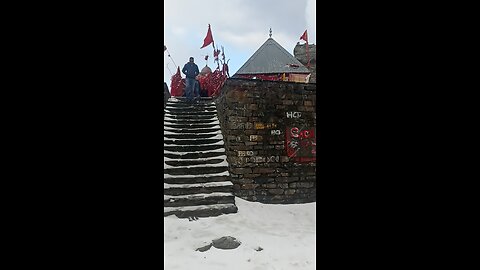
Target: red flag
(176,87)
(208,39)
(304,36)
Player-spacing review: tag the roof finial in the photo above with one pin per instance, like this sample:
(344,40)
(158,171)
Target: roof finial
(270,32)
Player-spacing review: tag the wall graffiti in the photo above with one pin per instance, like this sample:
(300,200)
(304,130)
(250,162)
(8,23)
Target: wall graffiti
(260,125)
(275,132)
(247,153)
(301,144)
(257,159)
(256,138)
(294,114)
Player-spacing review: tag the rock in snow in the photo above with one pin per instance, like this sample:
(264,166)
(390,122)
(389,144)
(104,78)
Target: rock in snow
(226,242)
(205,248)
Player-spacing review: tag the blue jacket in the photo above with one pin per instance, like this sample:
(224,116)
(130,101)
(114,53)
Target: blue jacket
(190,70)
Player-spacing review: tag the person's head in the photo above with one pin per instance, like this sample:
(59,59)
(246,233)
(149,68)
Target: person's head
(191,60)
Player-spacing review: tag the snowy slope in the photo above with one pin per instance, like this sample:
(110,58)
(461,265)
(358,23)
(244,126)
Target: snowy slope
(286,233)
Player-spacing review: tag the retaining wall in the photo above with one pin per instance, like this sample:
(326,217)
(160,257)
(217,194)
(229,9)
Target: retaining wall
(270,137)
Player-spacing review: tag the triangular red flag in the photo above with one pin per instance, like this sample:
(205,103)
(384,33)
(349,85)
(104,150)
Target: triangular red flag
(208,39)
(304,36)
(176,87)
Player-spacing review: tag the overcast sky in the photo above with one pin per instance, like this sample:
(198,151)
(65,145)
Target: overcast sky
(240,26)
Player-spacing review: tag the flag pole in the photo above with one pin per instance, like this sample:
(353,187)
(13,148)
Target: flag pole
(305,37)
(168,53)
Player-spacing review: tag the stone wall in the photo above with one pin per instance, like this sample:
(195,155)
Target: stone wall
(301,54)
(269,132)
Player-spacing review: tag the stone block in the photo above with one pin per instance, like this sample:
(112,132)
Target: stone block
(289,191)
(264,180)
(276,191)
(263,170)
(305,184)
(284,186)
(249,186)
(287,179)
(241,170)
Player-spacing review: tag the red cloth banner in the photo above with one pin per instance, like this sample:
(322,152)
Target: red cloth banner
(177,85)
(208,39)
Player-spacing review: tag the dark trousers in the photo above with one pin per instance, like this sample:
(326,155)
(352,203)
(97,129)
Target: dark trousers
(190,88)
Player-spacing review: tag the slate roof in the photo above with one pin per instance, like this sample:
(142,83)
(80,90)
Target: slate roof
(272,58)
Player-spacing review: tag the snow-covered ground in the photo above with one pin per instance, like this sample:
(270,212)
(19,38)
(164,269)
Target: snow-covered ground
(286,233)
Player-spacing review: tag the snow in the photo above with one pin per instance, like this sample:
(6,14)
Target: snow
(286,233)
(196,159)
(175,120)
(218,136)
(193,124)
(193,129)
(205,165)
(188,145)
(198,185)
(197,195)
(225,173)
(210,116)
(207,110)
(219,150)
(196,207)
(165,132)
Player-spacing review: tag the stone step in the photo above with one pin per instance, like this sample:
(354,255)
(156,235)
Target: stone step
(181,136)
(195,180)
(191,125)
(190,116)
(198,199)
(174,109)
(188,113)
(196,155)
(196,177)
(206,169)
(187,168)
(194,162)
(193,141)
(187,107)
(200,210)
(191,148)
(186,135)
(190,121)
(192,130)
(182,100)
(197,190)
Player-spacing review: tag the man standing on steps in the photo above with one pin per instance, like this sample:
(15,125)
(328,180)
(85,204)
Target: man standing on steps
(191,71)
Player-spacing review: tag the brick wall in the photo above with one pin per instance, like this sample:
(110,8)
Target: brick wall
(269,132)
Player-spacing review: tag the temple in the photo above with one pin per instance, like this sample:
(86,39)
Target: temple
(273,63)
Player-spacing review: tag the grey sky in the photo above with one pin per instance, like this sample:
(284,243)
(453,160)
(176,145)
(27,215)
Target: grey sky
(241,26)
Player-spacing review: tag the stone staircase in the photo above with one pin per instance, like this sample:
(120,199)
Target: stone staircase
(196,177)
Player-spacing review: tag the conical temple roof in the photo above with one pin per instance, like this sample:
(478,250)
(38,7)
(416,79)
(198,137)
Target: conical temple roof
(272,58)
